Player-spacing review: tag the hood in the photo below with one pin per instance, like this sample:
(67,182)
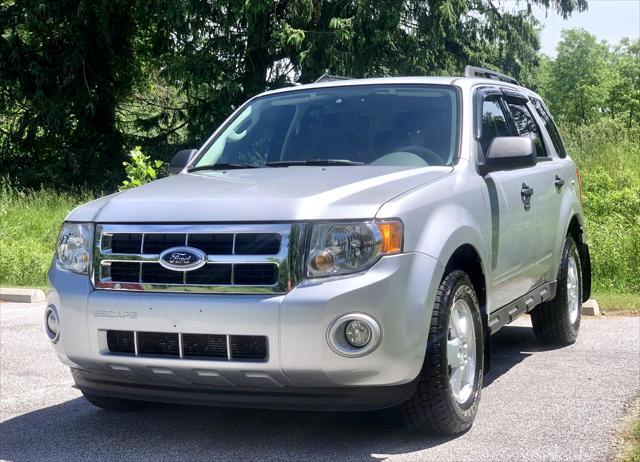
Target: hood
(262,194)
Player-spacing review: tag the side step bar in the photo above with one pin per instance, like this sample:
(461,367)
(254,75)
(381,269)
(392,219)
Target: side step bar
(508,313)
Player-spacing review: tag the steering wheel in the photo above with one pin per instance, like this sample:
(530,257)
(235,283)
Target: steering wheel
(427,154)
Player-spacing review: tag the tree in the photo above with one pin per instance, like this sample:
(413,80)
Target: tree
(624,96)
(64,67)
(80,80)
(579,80)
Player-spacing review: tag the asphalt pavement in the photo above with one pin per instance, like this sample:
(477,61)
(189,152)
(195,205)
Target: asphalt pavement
(537,404)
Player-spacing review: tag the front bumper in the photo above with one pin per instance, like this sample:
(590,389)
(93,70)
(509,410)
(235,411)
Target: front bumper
(301,371)
(294,398)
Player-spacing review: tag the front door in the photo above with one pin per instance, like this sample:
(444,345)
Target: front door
(515,242)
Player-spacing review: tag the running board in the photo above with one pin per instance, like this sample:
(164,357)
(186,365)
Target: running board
(524,304)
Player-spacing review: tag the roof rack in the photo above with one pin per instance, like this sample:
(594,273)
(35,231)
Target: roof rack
(473,71)
(329,78)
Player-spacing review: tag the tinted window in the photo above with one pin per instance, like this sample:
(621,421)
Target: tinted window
(551,127)
(494,123)
(373,124)
(527,126)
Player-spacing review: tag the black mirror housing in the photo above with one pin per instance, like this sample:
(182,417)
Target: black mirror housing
(509,153)
(181,160)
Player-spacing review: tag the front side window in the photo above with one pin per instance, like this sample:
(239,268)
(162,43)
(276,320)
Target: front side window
(408,125)
(494,123)
(527,126)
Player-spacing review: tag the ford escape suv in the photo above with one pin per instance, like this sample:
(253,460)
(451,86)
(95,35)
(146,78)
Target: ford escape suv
(344,245)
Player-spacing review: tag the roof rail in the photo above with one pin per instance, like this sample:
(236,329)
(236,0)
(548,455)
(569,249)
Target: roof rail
(329,78)
(473,71)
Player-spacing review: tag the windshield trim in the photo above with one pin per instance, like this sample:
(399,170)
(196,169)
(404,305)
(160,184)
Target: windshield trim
(232,117)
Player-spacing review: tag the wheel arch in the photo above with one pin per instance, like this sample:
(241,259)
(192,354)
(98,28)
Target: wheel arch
(467,258)
(575,229)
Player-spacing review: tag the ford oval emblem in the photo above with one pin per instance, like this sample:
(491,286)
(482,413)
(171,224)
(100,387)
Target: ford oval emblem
(183,259)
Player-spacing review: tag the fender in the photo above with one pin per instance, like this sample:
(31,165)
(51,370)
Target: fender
(437,225)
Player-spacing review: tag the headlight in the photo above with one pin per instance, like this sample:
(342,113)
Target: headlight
(74,247)
(342,248)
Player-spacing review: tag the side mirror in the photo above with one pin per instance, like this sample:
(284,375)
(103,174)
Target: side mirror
(508,153)
(181,160)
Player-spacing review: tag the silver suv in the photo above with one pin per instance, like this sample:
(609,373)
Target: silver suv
(345,245)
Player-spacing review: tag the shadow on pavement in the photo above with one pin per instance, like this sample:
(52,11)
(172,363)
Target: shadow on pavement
(76,430)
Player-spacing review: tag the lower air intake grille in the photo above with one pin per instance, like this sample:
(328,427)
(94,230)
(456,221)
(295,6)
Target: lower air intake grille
(120,341)
(248,347)
(211,346)
(189,346)
(158,343)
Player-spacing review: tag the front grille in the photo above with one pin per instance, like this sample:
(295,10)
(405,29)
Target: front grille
(153,273)
(257,244)
(126,243)
(253,274)
(157,243)
(212,244)
(240,258)
(125,271)
(188,346)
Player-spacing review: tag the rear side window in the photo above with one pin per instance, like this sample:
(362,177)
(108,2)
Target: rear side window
(551,127)
(494,123)
(527,126)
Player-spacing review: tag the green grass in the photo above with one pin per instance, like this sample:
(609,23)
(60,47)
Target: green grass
(607,154)
(632,454)
(618,303)
(29,225)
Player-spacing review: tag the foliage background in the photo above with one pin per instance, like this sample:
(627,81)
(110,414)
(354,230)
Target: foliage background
(84,81)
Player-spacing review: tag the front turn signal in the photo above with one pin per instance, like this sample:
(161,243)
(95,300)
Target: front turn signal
(391,232)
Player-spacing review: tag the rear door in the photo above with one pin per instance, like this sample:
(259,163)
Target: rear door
(514,234)
(564,174)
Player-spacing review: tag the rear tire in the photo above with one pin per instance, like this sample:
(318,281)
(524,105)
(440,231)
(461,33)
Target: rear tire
(115,404)
(442,405)
(557,322)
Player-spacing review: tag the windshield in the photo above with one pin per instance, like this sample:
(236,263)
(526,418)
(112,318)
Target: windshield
(405,125)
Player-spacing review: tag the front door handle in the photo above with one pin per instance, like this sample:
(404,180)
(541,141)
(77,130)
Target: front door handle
(526,192)
(559,183)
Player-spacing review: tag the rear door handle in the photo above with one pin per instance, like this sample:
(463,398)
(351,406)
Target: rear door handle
(526,192)
(559,183)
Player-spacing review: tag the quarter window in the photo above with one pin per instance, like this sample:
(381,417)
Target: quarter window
(526,126)
(551,127)
(494,123)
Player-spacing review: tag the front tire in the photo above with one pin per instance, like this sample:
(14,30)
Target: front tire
(448,392)
(557,322)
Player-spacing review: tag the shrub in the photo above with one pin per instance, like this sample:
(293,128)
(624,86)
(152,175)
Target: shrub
(608,156)
(141,169)
(29,224)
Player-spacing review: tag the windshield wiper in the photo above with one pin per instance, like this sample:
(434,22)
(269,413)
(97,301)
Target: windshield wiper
(223,166)
(290,163)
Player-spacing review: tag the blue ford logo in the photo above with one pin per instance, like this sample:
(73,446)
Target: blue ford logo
(183,259)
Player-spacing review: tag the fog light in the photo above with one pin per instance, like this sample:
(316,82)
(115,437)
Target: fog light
(357,333)
(354,334)
(52,324)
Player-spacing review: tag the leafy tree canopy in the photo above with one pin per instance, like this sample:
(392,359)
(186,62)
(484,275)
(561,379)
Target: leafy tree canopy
(589,80)
(80,80)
